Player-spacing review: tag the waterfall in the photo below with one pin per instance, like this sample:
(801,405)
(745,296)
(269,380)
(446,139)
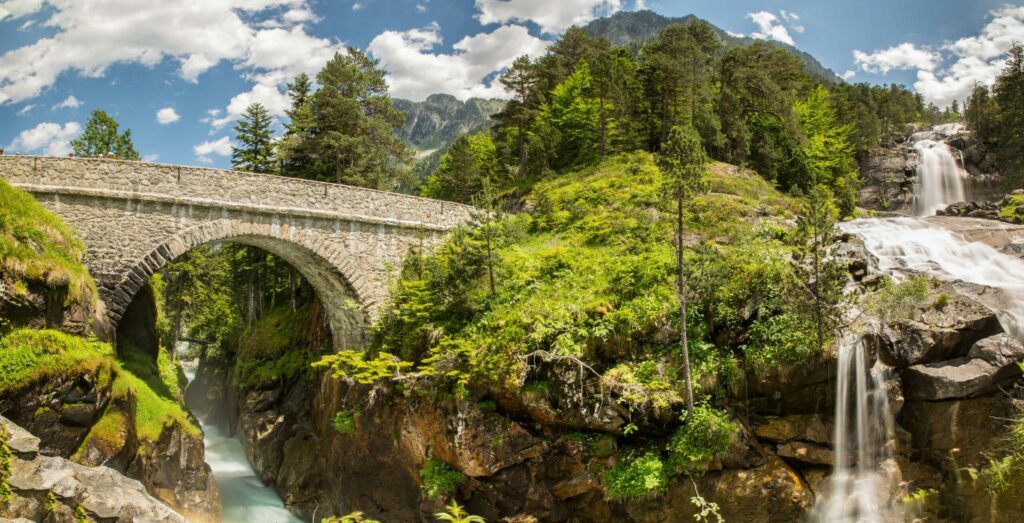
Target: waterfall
(940,178)
(863,476)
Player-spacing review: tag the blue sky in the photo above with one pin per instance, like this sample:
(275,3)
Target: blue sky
(178,73)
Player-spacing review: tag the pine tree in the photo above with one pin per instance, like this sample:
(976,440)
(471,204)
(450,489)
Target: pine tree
(355,123)
(684,163)
(294,151)
(1008,92)
(521,80)
(253,132)
(101,138)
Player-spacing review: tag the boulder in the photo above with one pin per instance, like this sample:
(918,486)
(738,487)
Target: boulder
(958,433)
(805,453)
(938,334)
(102,492)
(988,362)
(806,427)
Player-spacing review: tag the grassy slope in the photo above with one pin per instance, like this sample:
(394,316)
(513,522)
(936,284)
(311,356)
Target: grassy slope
(591,268)
(35,246)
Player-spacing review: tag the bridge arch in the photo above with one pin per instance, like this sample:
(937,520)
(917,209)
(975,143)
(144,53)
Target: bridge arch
(329,273)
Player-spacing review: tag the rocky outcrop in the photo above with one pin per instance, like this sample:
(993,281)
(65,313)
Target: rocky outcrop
(989,362)
(54,489)
(888,175)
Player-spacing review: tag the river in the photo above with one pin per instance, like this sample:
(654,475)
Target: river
(244,497)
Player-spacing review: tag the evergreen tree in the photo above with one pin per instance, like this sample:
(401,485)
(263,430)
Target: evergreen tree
(827,154)
(616,87)
(821,272)
(253,132)
(294,151)
(1009,100)
(101,138)
(575,116)
(469,163)
(521,80)
(683,161)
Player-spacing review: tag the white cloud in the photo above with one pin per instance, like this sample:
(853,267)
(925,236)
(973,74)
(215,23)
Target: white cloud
(903,56)
(421,8)
(357,6)
(167,115)
(271,96)
(25,110)
(639,5)
(151,157)
(414,71)
(552,17)
(69,103)
(15,9)
(51,139)
(770,28)
(89,37)
(848,74)
(793,20)
(971,60)
(220,147)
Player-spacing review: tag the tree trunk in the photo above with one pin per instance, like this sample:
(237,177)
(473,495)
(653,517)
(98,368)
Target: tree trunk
(682,305)
(522,151)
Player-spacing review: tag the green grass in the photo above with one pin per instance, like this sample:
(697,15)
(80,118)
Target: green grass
(35,246)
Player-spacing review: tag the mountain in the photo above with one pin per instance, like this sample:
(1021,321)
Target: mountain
(441,118)
(632,29)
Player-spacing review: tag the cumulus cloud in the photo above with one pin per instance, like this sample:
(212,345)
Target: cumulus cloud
(951,71)
(68,103)
(221,147)
(770,28)
(903,56)
(48,138)
(167,115)
(89,37)
(849,73)
(25,110)
(357,6)
(415,70)
(551,17)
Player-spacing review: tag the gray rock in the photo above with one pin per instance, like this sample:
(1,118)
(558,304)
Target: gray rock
(806,453)
(989,362)
(20,441)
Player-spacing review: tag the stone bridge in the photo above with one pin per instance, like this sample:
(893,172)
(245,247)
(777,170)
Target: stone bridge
(135,217)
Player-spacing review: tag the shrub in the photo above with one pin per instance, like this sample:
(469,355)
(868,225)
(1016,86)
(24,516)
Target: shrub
(440,479)
(640,479)
(895,302)
(345,422)
(783,338)
(705,436)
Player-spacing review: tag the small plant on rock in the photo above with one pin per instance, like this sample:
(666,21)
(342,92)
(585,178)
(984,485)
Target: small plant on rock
(440,479)
(705,436)
(640,479)
(345,422)
(457,514)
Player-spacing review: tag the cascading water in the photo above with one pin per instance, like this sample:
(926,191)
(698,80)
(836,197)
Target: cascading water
(940,177)
(244,498)
(860,485)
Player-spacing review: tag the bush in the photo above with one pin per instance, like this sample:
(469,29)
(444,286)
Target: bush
(705,436)
(345,422)
(640,479)
(783,338)
(440,479)
(895,302)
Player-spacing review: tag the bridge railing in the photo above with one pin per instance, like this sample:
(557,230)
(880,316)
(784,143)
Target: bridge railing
(221,188)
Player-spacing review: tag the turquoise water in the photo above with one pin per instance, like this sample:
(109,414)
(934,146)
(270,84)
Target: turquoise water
(244,497)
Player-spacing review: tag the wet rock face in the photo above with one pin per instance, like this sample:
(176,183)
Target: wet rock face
(101,492)
(888,175)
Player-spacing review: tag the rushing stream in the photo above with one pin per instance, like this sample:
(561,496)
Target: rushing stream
(244,497)
(863,477)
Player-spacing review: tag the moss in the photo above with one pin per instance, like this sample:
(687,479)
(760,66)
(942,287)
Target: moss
(439,479)
(275,348)
(28,356)
(36,246)
(1009,210)
(6,468)
(345,422)
(111,430)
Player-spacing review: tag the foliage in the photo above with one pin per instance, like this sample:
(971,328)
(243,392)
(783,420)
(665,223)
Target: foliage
(81,516)
(457,514)
(359,366)
(440,479)
(345,422)
(706,510)
(642,385)
(274,349)
(157,396)
(253,132)
(894,302)
(100,138)
(36,246)
(352,517)
(827,154)
(344,131)
(783,338)
(642,478)
(465,166)
(705,436)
